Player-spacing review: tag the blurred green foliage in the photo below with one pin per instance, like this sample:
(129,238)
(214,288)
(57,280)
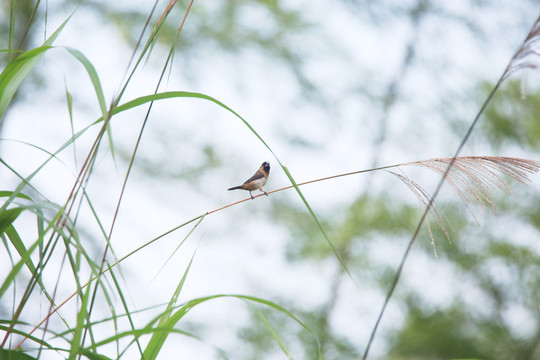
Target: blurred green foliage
(503,270)
(363,219)
(500,270)
(512,118)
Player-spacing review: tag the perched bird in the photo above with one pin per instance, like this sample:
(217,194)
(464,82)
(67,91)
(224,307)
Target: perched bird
(257,181)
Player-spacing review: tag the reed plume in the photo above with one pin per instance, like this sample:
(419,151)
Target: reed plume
(476,176)
(526,57)
(472,178)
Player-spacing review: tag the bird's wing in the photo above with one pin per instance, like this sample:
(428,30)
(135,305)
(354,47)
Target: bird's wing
(256,176)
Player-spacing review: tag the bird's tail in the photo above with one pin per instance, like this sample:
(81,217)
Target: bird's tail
(236,188)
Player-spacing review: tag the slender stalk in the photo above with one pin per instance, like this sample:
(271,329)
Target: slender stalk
(399,270)
(309,182)
(202,216)
(132,160)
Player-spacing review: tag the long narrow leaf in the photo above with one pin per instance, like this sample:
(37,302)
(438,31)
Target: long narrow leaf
(272,331)
(127,312)
(17,267)
(17,242)
(9,193)
(14,74)
(185,94)
(17,70)
(7,217)
(94,78)
(334,250)
(92,73)
(81,317)
(14,355)
(158,339)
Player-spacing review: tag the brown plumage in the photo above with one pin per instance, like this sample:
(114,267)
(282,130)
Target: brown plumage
(257,181)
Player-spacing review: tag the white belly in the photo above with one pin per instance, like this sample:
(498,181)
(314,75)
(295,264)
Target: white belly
(259,183)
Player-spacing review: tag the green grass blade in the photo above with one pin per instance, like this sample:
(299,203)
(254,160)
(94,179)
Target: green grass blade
(98,89)
(25,181)
(158,338)
(94,78)
(7,217)
(22,333)
(287,313)
(179,246)
(11,27)
(14,355)
(17,70)
(17,242)
(77,334)
(334,250)
(93,356)
(69,99)
(9,193)
(178,94)
(272,331)
(137,333)
(182,94)
(14,74)
(167,327)
(127,312)
(17,267)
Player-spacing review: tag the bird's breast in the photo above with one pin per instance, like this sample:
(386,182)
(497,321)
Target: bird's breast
(256,184)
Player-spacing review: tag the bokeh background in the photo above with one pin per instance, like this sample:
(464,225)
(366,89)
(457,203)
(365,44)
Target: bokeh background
(331,87)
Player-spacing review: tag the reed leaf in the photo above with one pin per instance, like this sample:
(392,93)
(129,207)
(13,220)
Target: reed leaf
(158,338)
(14,355)
(17,70)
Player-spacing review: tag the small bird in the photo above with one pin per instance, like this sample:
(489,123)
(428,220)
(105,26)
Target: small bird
(257,181)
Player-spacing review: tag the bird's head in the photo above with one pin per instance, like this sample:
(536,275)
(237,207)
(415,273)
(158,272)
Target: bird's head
(266,167)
